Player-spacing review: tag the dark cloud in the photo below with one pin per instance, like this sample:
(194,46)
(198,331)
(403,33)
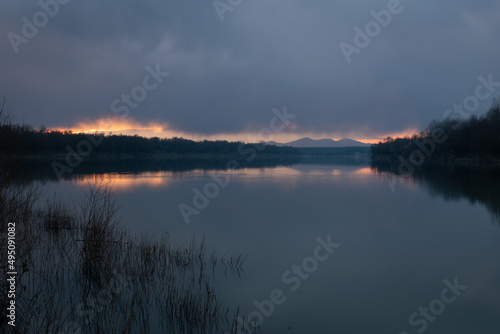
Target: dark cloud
(227,76)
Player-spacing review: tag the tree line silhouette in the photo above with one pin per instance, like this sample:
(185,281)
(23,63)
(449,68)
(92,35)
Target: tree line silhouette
(477,137)
(46,142)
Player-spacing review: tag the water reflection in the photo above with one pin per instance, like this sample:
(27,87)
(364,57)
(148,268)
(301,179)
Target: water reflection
(453,182)
(399,246)
(126,181)
(129,175)
(41,170)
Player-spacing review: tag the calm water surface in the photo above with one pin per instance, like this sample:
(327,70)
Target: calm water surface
(408,255)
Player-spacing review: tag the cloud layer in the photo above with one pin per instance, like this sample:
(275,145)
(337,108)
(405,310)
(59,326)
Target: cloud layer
(227,76)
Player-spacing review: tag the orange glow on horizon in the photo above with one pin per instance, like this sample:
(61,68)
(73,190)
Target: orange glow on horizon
(117,125)
(132,127)
(380,137)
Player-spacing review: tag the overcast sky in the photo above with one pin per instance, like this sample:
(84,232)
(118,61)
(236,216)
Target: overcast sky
(226,75)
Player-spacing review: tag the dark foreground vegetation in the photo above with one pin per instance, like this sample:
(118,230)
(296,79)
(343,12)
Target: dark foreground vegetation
(79,271)
(452,139)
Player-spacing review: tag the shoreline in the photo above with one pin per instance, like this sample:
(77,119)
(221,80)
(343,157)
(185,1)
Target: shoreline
(158,156)
(443,161)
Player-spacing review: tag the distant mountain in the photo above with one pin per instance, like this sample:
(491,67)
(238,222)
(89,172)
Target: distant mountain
(308,142)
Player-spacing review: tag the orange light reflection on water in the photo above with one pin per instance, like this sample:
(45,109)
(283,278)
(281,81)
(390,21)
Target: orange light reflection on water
(288,176)
(364,171)
(125,181)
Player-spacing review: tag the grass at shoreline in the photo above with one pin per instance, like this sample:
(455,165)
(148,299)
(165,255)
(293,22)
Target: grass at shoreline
(79,271)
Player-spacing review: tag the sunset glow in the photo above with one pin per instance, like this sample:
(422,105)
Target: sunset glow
(160,129)
(117,125)
(380,137)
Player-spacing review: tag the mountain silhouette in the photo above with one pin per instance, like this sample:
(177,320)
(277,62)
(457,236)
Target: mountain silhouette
(308,142)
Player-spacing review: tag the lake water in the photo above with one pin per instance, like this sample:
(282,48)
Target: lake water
(332,246)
